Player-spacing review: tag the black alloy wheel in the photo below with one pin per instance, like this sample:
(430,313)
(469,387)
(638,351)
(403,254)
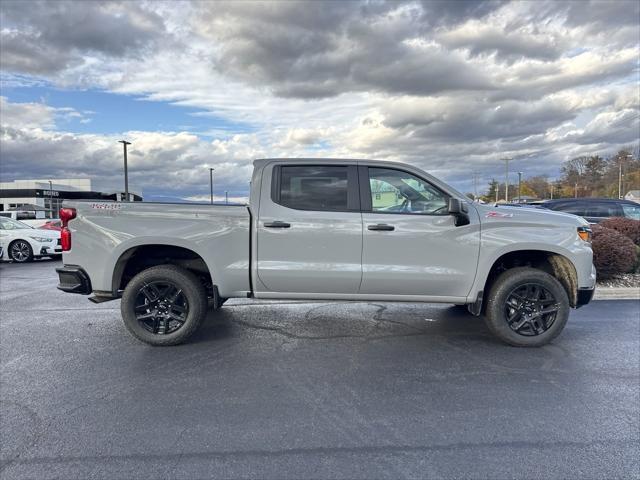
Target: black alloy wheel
(531,309)
(161,307)
(164,305)
(526,307)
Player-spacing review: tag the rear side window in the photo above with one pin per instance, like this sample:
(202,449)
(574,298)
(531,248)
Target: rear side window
(596,209)
(313,187)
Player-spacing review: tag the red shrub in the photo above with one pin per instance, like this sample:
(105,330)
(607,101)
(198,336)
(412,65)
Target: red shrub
(626,226)
(613,253)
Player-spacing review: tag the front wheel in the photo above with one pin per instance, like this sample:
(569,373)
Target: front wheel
(163,305)
(20,251)
(527,307)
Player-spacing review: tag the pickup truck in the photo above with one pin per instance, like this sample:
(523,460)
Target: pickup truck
(327,229)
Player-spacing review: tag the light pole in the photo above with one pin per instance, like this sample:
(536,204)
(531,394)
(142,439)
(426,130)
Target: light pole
(475,186)
(226,197)
(620,175)
(126,171)
(506,180)
(211,182)
(51,199)
(519,187)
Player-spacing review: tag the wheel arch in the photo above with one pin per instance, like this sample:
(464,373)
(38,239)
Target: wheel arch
(556,264)
(143,256)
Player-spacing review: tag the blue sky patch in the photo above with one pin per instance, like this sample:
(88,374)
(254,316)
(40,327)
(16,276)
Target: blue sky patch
(109,113)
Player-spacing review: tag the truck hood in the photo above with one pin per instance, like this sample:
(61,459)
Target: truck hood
(526,215)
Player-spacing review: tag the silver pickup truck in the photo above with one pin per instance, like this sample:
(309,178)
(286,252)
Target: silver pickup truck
(325,229)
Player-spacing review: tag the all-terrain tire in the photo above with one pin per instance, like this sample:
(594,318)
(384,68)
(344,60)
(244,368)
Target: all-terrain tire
(194,295)
(517,280)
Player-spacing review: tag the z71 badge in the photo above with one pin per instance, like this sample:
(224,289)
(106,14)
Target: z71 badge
(498,215)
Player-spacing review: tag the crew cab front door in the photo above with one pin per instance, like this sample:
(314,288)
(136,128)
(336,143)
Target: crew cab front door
(411,245)
(309,229)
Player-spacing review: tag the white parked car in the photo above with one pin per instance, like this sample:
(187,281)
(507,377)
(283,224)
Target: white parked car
(22,243)
(30,220)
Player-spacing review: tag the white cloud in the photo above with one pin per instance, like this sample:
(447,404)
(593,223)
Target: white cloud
(450,86)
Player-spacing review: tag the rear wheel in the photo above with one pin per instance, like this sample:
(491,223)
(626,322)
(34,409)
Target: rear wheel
(527,307)
(164,305)
(20,251)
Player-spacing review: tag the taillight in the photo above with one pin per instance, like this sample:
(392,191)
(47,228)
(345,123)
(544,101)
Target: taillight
(65,239)
(66,214)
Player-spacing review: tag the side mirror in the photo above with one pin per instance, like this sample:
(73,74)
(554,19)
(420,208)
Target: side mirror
(460,211)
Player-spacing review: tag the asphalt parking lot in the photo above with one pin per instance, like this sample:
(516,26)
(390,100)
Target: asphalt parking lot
(321,390)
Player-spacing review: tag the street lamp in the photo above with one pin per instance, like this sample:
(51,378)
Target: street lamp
(620,175)
(226,197)
(506,179)
(211,182)
(51,199)
(126,171)
(519,187)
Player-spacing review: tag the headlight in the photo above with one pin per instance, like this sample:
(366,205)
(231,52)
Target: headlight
(585,233)
(42,239)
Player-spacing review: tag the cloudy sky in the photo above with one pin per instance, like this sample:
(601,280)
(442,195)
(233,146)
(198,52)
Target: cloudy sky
(451,86)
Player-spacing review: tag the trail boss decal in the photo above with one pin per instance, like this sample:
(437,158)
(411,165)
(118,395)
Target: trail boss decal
(106,206)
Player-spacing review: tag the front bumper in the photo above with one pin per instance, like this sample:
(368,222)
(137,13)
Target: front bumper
(46,251)
(48,248)
(73,279)
(584,296)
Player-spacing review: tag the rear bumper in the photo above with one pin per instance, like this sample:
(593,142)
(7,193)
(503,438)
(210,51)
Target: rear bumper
(584,296)
(73,279)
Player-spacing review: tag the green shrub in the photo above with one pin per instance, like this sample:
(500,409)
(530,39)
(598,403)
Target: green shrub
(613,253)
(626,226)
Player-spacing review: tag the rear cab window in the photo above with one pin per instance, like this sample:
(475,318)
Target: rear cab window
(316,187)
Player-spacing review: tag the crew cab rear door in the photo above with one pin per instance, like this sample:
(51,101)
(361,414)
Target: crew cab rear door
(411,245)
(309,229)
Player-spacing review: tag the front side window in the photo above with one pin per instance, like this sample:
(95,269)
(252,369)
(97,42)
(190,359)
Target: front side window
(314,187)
(395,191)
(631,211)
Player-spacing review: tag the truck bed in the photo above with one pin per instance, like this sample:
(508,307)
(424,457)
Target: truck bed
(219,234)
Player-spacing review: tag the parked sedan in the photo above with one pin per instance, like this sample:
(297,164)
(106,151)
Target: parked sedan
(595,210)
(22,243)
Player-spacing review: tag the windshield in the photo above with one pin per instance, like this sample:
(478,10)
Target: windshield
(10,224)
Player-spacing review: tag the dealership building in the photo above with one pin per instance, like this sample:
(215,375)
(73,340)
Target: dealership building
(49,194)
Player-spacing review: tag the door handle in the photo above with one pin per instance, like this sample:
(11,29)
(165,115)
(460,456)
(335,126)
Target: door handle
(277,224)
(381,226)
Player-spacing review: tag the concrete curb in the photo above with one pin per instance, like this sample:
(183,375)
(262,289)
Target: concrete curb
(616,293)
